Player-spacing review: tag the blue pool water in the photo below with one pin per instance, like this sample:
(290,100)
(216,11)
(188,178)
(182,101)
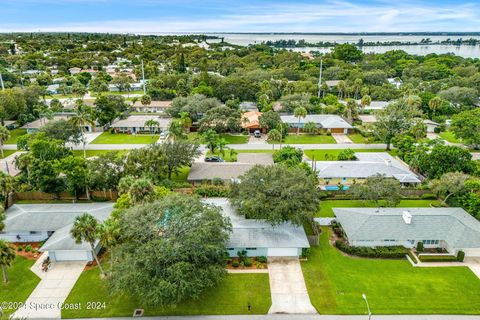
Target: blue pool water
(335,188)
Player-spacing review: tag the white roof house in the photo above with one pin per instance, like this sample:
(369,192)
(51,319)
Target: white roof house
(260,238)
(376,105)
(136,124)
(451,228)
(367,164)
(325,121)
(154,106)
(52,223)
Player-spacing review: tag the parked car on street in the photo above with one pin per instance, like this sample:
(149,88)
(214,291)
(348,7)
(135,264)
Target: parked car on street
(214,159)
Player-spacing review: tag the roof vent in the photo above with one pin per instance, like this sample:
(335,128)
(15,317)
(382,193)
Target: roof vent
(407,217)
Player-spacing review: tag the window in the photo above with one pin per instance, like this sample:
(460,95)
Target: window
(35,232)
(251,248)
(231,249)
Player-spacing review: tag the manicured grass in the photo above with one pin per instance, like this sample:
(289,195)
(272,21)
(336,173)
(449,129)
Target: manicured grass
(308,139)
(14,134)
(336,283)
(331,155)
(21,283)
(124,138)
(231,296)
(450,137)
(358,138)
(6,153)
(327,205)
(94,153)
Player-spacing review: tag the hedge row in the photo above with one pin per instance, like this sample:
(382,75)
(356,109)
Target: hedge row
(393,252)
(212,191)
(437,258)
(412,256)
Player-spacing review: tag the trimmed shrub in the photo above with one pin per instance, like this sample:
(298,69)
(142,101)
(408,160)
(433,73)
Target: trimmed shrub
(435,258)
(242,255)
(235,263)
(262,259)
(247,262)
(412,256)
(212,191)
(460,256)
(19,248)
(428,196)
(420,247)
(393,252)
(305,252)
(28,248)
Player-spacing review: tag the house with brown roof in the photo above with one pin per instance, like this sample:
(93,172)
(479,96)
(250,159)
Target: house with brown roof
(250,121)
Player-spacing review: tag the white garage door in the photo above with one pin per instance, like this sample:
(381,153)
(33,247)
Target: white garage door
(473,252)
(282,252)
(71,255)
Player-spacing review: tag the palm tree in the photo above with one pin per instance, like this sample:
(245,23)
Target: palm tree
(86,228)
(152,124)
(186,121)
(146,100)
(324,88)
(175,130)
(299,112)
(2,219)
(83,117)
(365,101)
(4,136)
(7,256)
(435,103)
(341,88)
(310,127)
(357,86)
(110,236)
(350,110)
(221,144)
(274,136)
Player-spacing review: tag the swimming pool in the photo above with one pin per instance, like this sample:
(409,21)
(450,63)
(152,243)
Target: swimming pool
(335,188)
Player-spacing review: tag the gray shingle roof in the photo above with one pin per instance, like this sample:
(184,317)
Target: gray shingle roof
(368,164)
(222,170)
(253,233)
(51,216)
(255,158)
(322,120)
(62,240)
(453,225)
(138,121)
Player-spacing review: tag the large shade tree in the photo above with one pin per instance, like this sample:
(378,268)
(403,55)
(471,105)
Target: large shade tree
(7,256)
(170,250)
(276,193)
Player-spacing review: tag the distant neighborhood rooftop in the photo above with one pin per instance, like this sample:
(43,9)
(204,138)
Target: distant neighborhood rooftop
(323,120)
(138,121)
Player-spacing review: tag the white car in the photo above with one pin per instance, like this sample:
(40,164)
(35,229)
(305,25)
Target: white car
(163,135)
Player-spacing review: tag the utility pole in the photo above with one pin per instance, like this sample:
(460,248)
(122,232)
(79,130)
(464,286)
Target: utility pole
(1,81)
(143,79)
(320,78)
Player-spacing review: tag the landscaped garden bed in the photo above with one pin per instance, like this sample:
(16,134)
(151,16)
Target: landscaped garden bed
(437,258)
(28,250)
(247,263)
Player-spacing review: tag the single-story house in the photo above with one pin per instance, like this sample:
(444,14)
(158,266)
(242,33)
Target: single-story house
(332,83)
(367,164)
(431,125)
(450,228)
(250,121)
(154,106)
(367,118)
(32,72)
(35,125)
(258,237)
(330,122)
(53,88)
(136,124)
(201,172)
(74,70)
(52,223)
(376,105)
(248,106)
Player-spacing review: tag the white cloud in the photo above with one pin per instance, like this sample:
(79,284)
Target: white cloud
(330,16)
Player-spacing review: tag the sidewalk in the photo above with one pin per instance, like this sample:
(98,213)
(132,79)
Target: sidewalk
(7,164)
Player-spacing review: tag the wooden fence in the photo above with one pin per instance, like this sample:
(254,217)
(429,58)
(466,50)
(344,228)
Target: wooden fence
(43,196)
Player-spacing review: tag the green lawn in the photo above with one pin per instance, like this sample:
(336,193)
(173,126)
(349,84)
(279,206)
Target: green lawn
(21,284)
(308,139)
(94,153)
(358,138)
(450,137)
(231,296)
(14,134)
(336,283)
(124,138)
(6,153)
(327,205)
(333,154)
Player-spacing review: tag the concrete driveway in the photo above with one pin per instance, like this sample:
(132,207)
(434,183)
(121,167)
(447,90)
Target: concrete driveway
(341,138)
(47,298)
(287,287)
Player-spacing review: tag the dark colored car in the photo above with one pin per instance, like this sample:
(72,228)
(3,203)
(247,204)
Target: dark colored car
(213,159)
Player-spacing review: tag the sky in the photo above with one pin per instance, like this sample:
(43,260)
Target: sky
(178,16)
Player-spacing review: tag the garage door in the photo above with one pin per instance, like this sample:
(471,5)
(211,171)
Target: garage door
(337,130)
(473,252)
(282,252)
(71,255)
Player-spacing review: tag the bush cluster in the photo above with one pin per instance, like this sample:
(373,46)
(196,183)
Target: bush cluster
(393,252)
(435,258)
(212,191)
(412,256)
